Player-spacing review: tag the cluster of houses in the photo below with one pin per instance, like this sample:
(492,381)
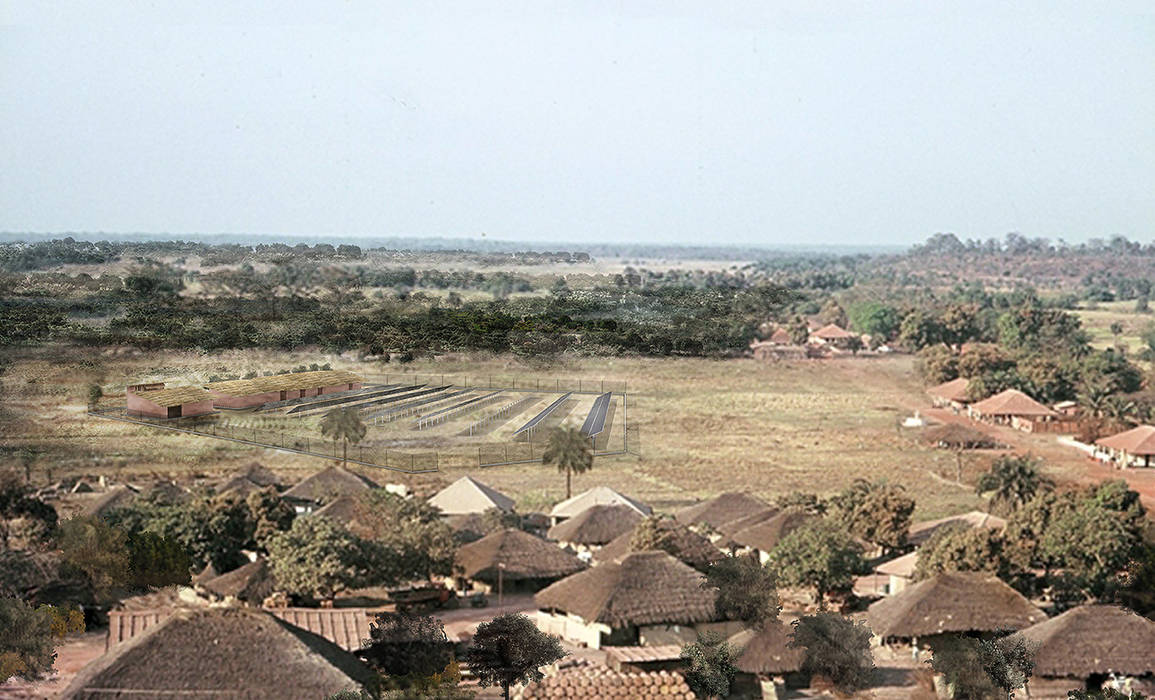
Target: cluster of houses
(156,400)
(1130,448)
(593,583)
(829,340)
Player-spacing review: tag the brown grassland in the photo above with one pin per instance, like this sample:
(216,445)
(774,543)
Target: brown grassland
(705,426)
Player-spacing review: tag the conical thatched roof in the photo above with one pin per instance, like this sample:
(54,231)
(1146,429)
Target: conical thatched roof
(112,499)
(832,331)
(1093,639)
(468,495)
(252,478)
(251,583)
(342,510)
(597,496)
(958,436)
(750,520)
(721,509)
(682,543)
(219,652)
(645,588)
(596,525)
(524,557)
(327,485)
(952,602)
(765,650)
(921,532)
(766,535)
(206,574)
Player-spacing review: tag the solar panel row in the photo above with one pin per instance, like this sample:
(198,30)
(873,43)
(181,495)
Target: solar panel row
(377,393)
(595,422)
(536,420)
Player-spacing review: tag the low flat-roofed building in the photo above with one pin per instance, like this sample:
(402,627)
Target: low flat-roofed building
(249,393)
(168,402)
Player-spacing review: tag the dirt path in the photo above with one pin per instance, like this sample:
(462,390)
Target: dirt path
(1064,463)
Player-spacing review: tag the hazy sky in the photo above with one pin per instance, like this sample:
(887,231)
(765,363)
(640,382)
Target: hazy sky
(761,123)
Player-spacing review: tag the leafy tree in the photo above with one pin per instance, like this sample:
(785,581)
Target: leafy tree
(961,548)
(17,503)
(875,319)
(26,641)
(920,330)
(344,425)
(1117,329)
(836,648)
(799,330)
(419,541)
(96,549)
(570,452)
(1012,481)
(984,668)
(155,561)
(938,364)
(1093,543)
(709,666)
(320,558)
(981,358)
(747,590)
(95,394)
(819,555)
(878,513)
(408,647)
(510,649)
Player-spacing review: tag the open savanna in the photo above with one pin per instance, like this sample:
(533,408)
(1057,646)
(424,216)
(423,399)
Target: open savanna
(705,426)
(1097,321)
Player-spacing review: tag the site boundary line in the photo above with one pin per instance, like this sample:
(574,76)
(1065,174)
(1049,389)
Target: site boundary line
(265,445)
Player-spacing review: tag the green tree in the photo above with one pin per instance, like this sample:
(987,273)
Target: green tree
(319,558)
(155,561)
(961,548)
(26,641)
(343,425)
(799,330)
(836,648)
(920,330)
(511,649)
(95,394)
(938,364)
(747,590)
(409,648)
(97,550)
(709,666)
(419,541)
(570,452)
(17,503)
(983,668)
(1117,329)
(876,319)
(819,555)
(1012,481)
(878,513)
(1094,544)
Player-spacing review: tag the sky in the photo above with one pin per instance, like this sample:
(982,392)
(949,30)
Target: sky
(742,123)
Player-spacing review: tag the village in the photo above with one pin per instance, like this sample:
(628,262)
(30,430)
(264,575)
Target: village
(642,601)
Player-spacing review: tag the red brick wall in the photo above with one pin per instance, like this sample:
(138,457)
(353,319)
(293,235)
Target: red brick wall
(140,407)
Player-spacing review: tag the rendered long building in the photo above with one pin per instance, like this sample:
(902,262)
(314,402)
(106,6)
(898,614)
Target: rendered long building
(157,401)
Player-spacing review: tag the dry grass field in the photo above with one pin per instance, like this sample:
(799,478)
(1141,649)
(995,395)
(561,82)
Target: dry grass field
(1097,321)
(705,426)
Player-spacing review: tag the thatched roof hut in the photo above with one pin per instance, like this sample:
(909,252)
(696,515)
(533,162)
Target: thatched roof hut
(1012,402)
(956,436)
(469,496)
(681,542)
(765,651)
(222,651)
(112,499)
(328,485)
(721,509)
(1093,639)
(953,391)
(766,535)
(919,533)
(524,557)
(252,478)
(645,588)
(952,602)
(597,496)
(42,578)
(751,520)
(251,583)
(341,510)
(597,525)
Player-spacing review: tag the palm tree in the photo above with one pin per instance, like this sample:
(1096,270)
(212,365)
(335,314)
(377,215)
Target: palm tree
(343,424)
(570,451)
(1014,480)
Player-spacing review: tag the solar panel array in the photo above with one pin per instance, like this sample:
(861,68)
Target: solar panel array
(536,420)
(445,414)
(595,422)
(338,400)
(407,409)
